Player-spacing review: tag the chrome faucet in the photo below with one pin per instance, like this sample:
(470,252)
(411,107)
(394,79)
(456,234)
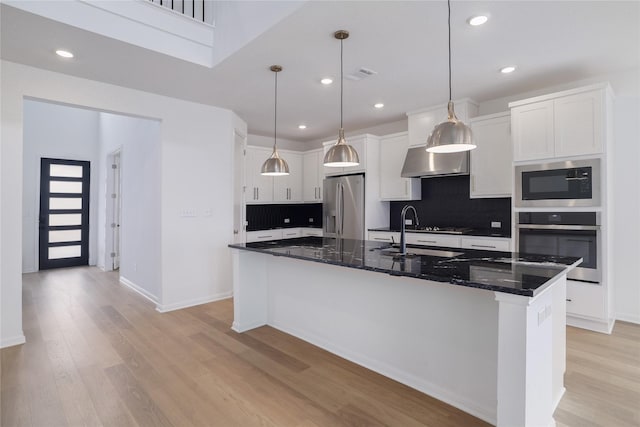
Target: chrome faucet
(403,242)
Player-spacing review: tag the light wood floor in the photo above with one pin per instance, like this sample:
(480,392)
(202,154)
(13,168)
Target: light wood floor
(99,354)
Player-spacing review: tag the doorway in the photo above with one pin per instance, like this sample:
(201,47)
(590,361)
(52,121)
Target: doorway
(115,210)
(64,213)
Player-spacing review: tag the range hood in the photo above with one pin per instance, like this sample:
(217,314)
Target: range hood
(421,164)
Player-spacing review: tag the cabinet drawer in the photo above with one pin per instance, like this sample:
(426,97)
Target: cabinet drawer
(384,236)
(487,244)
(291,233)
(264,235)
(317,232)
(427,239)
(585,299)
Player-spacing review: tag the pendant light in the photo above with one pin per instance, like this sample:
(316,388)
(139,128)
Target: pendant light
(275,165)
(451,136)
(341,154)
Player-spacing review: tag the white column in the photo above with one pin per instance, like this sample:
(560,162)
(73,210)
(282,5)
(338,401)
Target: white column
(249,290)
(525,359)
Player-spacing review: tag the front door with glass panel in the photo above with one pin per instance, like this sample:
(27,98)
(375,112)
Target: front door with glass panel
(64,213)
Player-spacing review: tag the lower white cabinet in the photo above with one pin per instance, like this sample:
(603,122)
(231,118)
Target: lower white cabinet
(444,240)
(486,243)
(585,299)
(309,232)
(264,235)
(291,233)
(384,236)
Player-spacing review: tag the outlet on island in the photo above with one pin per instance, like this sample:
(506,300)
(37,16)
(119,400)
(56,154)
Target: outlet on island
(496,224)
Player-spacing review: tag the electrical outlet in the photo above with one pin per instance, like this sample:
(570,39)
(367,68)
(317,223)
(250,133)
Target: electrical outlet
(496,224)
(310,219)
(287,220)
(408,222)
(208,212)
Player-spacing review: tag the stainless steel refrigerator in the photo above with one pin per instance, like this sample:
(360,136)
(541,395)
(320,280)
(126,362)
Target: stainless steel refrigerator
(343,207)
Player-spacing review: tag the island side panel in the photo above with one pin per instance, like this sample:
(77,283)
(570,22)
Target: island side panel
(559,324)
(435,337)
(525,360)
(250,277)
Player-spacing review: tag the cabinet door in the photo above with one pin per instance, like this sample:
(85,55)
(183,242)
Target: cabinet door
(421,125)
(492,160)
(359,144)
(578,124)
(311,181)
(393,151)
(532,128)
(259,188)
(289,188)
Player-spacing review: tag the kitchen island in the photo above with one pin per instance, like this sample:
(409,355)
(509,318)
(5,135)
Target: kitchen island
(482,331)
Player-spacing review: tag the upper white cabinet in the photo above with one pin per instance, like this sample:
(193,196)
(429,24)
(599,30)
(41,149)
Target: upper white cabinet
(267,189)
(492,159)
(360,145)
(564,124)
(289,188)
(312,176)
(393,150)
(421,122)
(259,188)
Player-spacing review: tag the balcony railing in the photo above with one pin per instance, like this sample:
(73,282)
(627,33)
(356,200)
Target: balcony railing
(196,9)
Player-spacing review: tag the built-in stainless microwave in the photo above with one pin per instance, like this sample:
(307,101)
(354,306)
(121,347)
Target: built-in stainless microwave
(558,184)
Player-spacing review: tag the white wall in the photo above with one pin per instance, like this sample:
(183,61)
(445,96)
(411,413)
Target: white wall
(196,160)
(285,144)
(139,143)
(59,132)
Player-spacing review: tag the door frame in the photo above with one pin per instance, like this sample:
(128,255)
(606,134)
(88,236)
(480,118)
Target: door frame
(109,245)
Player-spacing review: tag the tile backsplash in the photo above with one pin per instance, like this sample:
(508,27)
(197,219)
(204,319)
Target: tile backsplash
(264,217)
(446,203)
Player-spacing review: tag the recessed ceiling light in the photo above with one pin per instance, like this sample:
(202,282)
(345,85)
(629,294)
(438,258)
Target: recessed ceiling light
(378,105)
(478,20)
(64,53)
(302,126)
(326,81)
(507,70)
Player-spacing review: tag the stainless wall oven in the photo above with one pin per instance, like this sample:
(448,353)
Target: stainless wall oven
(558,184)
(563,234)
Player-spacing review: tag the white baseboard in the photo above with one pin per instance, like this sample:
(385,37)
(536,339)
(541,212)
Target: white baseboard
(486,414)
(148,295)
(628,317)
(10,342)
(163,308)
(596,325)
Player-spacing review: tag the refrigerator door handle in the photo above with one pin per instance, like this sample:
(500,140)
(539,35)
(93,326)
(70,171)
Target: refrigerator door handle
(341,209)
(338,211)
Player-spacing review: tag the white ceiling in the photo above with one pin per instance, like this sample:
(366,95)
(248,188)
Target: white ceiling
(551,43)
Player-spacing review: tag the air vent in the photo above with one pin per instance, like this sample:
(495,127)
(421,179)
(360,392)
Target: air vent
(361,74)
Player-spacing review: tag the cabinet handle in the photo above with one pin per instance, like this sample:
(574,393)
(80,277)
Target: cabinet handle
(384,239)
(482,246)
(569,300)
(264,237)
(427,241)
(473,183)
(255,193)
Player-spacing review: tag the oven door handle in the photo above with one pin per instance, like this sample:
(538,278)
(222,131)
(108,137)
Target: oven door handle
(558,227)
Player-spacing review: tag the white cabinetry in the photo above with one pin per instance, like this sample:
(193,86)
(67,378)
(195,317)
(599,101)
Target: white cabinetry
(264,235)
(307,232)
(427,239)
(393,150)
(291,233)
(312,176)
(359,143)
(492,160)
(259,188)
(288,188)
(421,122)
(585,300)
(267,189)
(486,243)
(564,124)
(384,236)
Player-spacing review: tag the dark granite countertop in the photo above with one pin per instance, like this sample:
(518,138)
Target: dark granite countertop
(471,232)
(519,274)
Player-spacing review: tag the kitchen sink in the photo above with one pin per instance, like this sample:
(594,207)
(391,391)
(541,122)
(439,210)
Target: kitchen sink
(413,252)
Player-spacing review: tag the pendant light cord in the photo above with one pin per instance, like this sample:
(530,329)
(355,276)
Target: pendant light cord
(275,114)
(449,26)
(341,83)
